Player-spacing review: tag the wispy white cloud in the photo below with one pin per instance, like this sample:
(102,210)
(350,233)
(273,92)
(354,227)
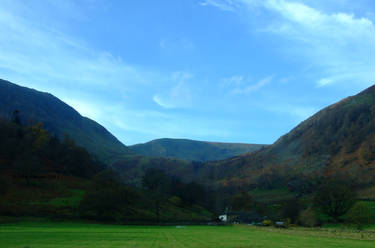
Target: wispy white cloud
(324,81)
(96,83)
(233,81)
(225,5)
(177,96)
(132,125)
(242,85)
(46,58)
(335,43)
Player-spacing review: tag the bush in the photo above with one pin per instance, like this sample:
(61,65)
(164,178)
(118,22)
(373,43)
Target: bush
(308,218)
(176,201)
(242,202)
(291,210)
(360,215)
(267,223)
(334,199)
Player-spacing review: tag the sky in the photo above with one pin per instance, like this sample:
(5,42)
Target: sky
(218,70)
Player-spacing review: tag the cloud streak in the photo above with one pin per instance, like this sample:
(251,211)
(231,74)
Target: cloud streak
(336,44)
(177,96)
(224,5)
(34,53)
(254,87)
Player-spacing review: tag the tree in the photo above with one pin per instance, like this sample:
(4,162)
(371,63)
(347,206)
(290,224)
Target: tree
(359,215)
(242,202)
(308,218)
(104,204)
(16,117)
(27,166)
(303,185)
(107,198)
(291,210)
(106,179)
(193,193)
(155,180)
(40,139)
(334,199)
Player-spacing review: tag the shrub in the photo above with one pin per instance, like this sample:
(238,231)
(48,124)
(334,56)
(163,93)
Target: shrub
(308,218)
(334,199)
(291,210)
(176,200)
(360,215)
(267,223)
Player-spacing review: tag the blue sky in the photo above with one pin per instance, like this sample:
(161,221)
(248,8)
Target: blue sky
(219,70)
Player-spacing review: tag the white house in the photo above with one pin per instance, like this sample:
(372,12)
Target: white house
(223,217)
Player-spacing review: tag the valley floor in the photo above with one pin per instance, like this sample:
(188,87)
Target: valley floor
(61,235)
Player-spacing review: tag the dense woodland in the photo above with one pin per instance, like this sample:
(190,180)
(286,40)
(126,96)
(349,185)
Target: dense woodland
(43,176)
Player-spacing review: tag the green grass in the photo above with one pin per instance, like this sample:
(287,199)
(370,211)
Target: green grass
(71,200)
(370,204)
(61,235)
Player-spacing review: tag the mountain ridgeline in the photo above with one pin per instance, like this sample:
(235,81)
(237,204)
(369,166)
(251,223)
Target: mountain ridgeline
(337,143)
(59,119)
(193,150)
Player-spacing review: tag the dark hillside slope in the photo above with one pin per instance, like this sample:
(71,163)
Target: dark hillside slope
(193,150)
(60,119)
(337,142)
(43,177)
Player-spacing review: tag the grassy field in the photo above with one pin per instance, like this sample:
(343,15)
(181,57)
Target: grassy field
(71,235)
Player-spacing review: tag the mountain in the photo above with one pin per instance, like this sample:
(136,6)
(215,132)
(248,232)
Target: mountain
(338,143)
(60,119)
(193,150)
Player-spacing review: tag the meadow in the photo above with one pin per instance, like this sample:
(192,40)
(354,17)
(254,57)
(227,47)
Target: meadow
(71,235)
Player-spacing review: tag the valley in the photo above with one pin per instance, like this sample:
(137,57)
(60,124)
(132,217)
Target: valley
(47,176)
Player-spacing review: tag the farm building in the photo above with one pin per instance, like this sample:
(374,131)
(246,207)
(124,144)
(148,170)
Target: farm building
(241,217)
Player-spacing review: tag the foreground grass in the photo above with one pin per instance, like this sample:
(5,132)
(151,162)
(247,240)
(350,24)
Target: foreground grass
(61,235)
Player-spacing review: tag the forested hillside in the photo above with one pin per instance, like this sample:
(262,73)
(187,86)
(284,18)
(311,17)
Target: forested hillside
(45,177)
(337,142)
(58,118)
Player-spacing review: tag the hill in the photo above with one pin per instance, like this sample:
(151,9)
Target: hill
(337,143)
(193,150)
(41,176)
(59,119)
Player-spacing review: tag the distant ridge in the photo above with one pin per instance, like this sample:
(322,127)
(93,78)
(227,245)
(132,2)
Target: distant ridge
(60,119)
(193,150)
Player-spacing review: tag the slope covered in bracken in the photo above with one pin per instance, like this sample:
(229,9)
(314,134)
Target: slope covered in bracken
(338,143)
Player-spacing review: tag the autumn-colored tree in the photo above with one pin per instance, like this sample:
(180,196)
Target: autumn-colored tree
(242,202)
(308,218)
(40,138)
